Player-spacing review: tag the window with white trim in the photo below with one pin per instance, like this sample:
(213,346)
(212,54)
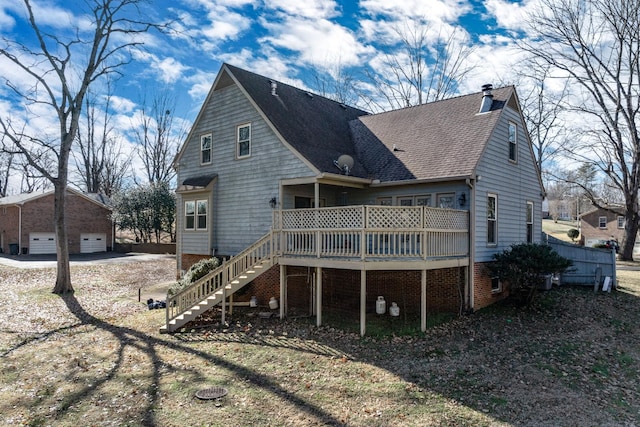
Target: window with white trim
(496,285)
(195,214)
(529,222)
(513,142)
(445,200)
(243,146)
(621,221)
(384,201)
(492,219)
(201,214)
(602,222)
(405,201)
(205,149)
(423,200)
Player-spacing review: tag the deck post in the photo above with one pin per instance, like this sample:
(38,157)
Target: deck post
(283,290)
(318,296)
(363,302)
(423,301)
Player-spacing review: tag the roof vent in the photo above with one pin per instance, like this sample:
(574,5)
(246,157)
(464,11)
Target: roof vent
(487,98)
(274,88)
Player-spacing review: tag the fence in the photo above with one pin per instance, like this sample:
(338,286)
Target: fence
(588,263)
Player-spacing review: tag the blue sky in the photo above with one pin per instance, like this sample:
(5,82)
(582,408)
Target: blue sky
(289,40)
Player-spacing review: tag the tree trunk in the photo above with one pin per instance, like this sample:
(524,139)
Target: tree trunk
(630,232)
(63,279)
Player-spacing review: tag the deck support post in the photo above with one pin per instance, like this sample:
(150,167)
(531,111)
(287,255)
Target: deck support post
(423,301)
(318,296)
(363,302)
(283,291)
(224,303)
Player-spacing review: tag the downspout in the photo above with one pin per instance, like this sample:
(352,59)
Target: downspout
(472,241)
(19,229)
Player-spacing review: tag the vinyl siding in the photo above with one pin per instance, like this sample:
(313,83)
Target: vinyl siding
(513,183)
(239,200)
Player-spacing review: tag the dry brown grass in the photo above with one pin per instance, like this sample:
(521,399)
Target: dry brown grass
(97,359)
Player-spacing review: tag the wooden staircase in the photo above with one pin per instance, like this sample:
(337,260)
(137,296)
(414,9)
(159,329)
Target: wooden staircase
(215,287)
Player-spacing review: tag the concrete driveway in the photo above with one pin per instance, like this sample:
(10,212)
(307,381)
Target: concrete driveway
(48,261)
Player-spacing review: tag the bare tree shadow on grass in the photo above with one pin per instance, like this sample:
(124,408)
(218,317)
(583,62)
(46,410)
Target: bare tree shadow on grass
(150,345)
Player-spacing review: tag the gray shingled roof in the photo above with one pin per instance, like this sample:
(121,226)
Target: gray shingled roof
(432,141)
(315,126)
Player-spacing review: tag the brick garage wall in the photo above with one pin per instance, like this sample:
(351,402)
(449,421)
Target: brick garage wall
(482,294)
(8,226)
(82,216)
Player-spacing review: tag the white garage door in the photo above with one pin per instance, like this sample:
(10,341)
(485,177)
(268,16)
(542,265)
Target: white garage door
(93,242)
(42,243)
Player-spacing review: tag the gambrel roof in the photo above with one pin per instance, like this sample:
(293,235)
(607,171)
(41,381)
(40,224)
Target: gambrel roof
(435,141)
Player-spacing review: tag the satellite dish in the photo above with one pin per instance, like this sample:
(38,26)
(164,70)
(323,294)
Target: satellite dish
(344,163)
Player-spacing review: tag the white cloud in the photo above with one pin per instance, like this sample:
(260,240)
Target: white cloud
(509,15)
(314,9)
(318,42)
(432,10)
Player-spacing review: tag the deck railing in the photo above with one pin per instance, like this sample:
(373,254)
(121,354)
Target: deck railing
(380,232)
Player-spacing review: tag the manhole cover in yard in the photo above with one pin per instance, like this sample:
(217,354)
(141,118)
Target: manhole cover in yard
(211,393)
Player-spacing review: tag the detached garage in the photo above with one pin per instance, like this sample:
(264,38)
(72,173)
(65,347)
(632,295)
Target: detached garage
(26,221)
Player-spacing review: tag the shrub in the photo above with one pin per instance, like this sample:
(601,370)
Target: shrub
(573,234)
(524,266)
(195,272)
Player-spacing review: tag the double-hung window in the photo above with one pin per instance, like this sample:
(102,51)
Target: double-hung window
(621,221)
(205,149)
(492,219)
(195,215)
(602,222)
(243,145)
(529,222)
(513,142)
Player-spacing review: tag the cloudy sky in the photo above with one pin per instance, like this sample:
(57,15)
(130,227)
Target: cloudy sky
(290,40)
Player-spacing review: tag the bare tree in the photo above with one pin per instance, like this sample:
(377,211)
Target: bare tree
(542,110)
(6,166)
(597,44)
(115,170)
(159,138)
(420,70)
(336,83)
(62,68)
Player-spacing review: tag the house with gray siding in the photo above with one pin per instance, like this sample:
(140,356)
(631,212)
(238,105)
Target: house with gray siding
(328,208)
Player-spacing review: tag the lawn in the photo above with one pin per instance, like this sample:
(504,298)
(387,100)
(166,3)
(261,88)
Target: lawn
(559,229)
(96,358)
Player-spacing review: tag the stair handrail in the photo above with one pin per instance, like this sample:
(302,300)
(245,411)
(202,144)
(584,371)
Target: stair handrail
(223,275)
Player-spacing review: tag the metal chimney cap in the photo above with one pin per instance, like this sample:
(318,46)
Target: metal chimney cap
(487,88)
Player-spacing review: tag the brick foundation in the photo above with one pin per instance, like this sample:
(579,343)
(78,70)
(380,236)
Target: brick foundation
(482,294)
(189,259)
(341,290)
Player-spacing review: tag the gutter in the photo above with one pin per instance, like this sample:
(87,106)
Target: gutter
(377,183)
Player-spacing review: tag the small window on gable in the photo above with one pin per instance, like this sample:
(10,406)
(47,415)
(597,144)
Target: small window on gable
(602,222)
(205,149)
(243,141)
(513,142)
(621,222)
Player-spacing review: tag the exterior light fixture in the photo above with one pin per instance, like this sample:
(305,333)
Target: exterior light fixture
(273,202)
(462,199)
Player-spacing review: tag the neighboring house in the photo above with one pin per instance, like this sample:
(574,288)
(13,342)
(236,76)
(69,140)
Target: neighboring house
(600,226)
(412,202)
(27,224)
